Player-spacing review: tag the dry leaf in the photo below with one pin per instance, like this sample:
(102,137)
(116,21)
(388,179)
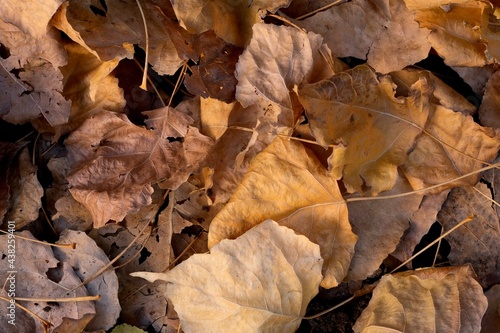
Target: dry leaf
(491,319)
(489,111)
(477,242)
(431,300)
(7,153)
(490,30)
(261,281)
(357,110)
(231,20)
(381,31)
(274,188)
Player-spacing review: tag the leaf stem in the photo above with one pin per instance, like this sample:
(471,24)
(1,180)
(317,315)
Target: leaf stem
(335,3)
(146,60)
(68,246)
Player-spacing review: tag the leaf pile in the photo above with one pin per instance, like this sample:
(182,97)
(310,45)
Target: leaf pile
(306,148)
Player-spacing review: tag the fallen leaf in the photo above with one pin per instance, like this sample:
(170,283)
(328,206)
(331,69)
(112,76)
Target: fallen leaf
(490,30)
(491,319)
(86,260)
(477,242)
(40,275)
(489,111)
(7,153)
(273,188)
(231,20)
(430,300)
(381,31)
(359,111)
(476,78)
(457,145)
(261,281)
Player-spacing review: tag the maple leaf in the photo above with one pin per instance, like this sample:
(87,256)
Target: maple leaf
(273,188)
(108,181)
(375,129)
(437,299)
(261,281)
(381,31)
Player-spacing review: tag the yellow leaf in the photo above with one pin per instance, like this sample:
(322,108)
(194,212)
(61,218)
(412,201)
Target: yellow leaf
(287,183)
(260,282)
(356,109)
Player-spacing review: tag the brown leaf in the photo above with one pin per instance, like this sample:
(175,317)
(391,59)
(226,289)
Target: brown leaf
(491,319)
(489,111)
(261,281)
(477,242)
(274,188)
(490,30)
(381,31)
(430,300)
(360,112)
(108,181)
(7,153)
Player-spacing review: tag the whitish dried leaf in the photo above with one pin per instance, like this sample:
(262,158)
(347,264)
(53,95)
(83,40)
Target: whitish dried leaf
(491,319)
(381,31)
(113,163)
(431,300)
(40,275)
(356,109)
(478,242)
(489,111)
(30,17)
(261,281)
(30,82)
(455,32)
(379,225)
(277,59)
(274,188)
(457,146)
(86,260)
(25,192)
(231,20)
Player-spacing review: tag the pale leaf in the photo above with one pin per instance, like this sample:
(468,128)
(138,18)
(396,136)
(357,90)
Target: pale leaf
(261,281)
(274,188)
(356,109)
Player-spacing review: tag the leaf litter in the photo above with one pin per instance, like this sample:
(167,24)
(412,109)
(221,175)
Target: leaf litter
(329,125)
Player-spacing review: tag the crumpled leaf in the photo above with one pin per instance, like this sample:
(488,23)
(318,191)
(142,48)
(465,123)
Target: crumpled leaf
(489,111)
(40,275)
(86,260)
(381,31)
(373,128)
(431,300)
(231,20)
(478,242)
(261,281)
(462,145)
(455,32)
(274,188)
(109,181)
(30,82)
(379,225)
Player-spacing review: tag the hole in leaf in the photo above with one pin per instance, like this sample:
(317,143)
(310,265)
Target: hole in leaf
(4,51)
(427,257)
(55,273)
(144,255)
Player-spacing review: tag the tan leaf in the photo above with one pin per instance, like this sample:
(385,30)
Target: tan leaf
(461,148)
(274,188)
(109,181)
(40,275)
(478,242)
(231,20)
(379,225)
(491,319)
(356,109)
(490,30)
(431,300)
(382,31)
(489,111)
(455,32)
(261,281)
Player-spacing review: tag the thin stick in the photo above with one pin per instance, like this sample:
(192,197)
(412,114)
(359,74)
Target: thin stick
(468,219)
(67,246)
(281,18)
(439,245)
(487,197)
(48,221)
(59,300)
(330,309)
(172,264)
(144,76)
(178,82)
(44,322)
(335,3)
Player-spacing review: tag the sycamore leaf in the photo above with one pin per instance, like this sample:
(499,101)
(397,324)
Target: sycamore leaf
(260,282)
(381,31)
(231,20)
(40,275)
(455,32)
(113,163)
(463,146)
(430,300)
(478,242)
(359,111)
(274,188)
(277,59)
